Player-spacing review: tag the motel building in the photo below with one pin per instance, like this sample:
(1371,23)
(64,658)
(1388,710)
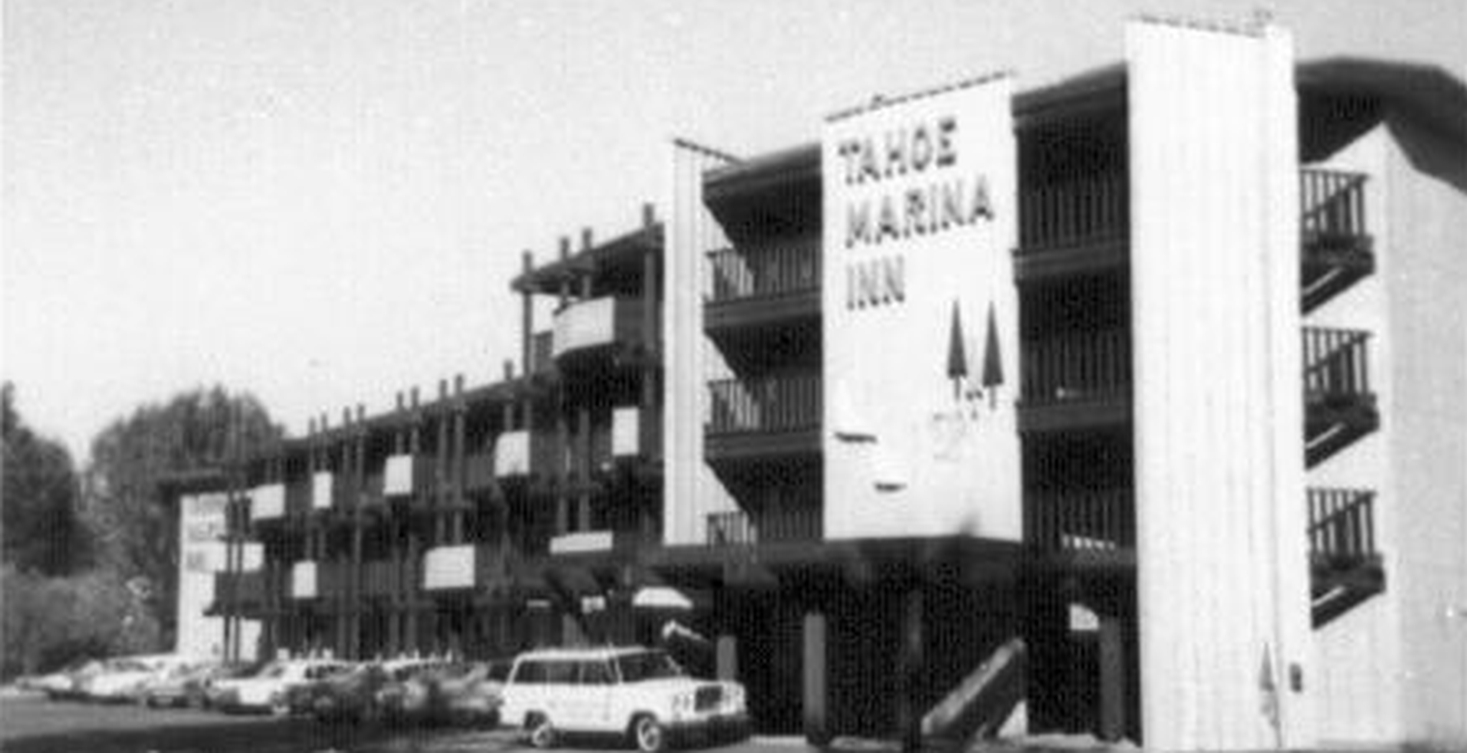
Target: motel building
(1136,398)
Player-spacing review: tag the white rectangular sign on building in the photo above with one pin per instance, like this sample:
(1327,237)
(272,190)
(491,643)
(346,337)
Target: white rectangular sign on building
(920,316)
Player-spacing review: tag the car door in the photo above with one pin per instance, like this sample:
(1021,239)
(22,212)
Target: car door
(595,695)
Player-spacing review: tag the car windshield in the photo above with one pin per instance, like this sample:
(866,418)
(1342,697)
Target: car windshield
(272,671)
(647,665)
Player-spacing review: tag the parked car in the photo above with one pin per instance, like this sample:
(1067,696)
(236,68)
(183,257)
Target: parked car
(66,682)
(121,678)
(269,689)
(462,693)
(637,692)
(186,686)
(350,695)
(217,686)
(403,698)
(471,695)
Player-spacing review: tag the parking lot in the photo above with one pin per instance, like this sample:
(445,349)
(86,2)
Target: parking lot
(30,723)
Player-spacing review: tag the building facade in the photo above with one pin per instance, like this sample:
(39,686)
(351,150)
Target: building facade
(1143,368)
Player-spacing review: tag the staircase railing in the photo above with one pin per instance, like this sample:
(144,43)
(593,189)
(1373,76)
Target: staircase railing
(1332,202)
(1341,523)
(1336,363)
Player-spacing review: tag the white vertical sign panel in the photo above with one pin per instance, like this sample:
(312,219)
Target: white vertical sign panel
(920,317)
(1222,578)
(692,490)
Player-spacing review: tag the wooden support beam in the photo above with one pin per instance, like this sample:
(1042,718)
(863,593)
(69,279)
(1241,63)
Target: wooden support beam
(813,672)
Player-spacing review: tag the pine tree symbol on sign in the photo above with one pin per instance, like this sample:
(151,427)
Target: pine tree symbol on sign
(957,358)
(992,359)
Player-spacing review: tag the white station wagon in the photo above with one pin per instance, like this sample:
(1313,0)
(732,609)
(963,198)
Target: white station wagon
(637,692)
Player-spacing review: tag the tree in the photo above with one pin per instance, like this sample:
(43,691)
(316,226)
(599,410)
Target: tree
(137,532)
(41,528)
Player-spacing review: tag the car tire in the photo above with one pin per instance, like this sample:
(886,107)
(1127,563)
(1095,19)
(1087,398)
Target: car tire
(279,707)
(648,734)
(539,732)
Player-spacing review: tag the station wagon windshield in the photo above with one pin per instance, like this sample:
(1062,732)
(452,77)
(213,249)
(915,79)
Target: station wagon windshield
(647,666)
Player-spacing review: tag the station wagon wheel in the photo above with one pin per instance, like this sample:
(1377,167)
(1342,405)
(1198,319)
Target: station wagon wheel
(279,706)
(648,734)
(539,731)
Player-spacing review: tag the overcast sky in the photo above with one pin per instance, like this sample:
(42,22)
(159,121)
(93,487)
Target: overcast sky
(323,202)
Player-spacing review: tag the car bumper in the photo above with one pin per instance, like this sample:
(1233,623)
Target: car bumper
(725,724)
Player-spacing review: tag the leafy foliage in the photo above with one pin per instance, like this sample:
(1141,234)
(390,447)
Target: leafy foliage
(42,531)
(137,532)
(50,621)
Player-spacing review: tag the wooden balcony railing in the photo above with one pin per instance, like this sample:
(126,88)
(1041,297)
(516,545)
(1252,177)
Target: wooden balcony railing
(1336,364)
(796,522)
(1080,519)
(596,323)
(767,270)
(1341,523)
(771,403)
(1076,367)
(1332,203)
(1074,213)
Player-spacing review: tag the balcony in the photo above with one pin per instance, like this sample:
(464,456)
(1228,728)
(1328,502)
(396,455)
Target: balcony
(596,325)
(303,581)
(1345,567)
(267,502)
(1073,227)
(1339,406)
(1075,380)
(1080,520)
(772,415)
(1083,226)
(761,284)
(598,541)
(512,455)
(627,431)
(798,522)
(463,567)
(322,486)
(1337,250)
(401,476)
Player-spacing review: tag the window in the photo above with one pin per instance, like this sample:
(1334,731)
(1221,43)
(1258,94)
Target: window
(647,665)
(530,673)
(560,673)
(595,673)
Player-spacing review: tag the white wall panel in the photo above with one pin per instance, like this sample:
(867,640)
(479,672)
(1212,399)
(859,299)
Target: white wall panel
(691,490)
(1425,415)
(1222,574)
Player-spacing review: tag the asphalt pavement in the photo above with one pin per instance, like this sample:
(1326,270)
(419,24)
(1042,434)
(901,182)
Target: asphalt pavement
(34,724)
